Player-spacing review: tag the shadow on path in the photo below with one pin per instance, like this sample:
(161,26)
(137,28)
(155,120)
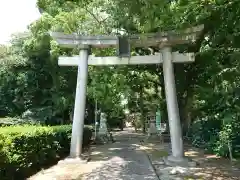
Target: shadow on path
(122,160)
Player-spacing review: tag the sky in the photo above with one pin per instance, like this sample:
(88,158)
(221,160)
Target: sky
(15,16)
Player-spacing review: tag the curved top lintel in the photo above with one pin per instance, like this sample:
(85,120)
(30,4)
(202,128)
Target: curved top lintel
(139,40)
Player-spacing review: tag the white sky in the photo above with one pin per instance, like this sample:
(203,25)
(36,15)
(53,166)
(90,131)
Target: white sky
(15,16)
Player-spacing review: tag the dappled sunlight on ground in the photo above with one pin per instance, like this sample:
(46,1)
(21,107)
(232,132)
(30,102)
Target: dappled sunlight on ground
(115,169)
(191,153)
(209,166)
(65,171)
(120,160)
(126,160)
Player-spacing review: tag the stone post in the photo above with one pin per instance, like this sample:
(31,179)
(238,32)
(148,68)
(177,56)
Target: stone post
(172,106)
(79,106)
(103,125)
(152,127)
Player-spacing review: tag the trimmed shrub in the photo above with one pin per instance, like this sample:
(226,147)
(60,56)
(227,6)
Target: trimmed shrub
(26,149)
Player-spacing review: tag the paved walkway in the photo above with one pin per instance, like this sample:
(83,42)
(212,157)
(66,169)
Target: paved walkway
(122,160)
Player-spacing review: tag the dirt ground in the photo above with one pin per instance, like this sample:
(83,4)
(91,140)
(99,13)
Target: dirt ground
(209,167)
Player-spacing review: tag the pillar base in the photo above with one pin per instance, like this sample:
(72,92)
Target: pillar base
(183,161)
(71,160)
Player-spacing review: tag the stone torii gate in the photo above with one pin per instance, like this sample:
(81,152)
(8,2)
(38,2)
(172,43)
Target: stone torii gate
(162,40)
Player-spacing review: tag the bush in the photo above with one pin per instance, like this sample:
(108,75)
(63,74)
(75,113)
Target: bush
(213,135)
(9,121)
(41,115)
(229,134)
(115,122)
(25,149)
(204,133)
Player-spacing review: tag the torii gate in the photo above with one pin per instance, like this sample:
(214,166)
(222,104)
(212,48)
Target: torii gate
(162,40)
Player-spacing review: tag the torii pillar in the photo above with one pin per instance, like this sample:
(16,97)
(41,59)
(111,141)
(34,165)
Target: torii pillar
(80,103)
(172,106)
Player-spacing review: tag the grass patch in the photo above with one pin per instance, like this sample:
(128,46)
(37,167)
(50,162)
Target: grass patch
(157,153)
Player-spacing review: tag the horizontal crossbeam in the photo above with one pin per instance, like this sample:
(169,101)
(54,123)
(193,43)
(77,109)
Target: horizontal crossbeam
(139,40)
(74,40)
(113,60)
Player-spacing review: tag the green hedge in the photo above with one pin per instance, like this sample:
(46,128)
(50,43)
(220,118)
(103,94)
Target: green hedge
(26,149)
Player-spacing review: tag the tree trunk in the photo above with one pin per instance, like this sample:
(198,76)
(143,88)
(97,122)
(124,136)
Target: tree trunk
(186,114)
(71,116)
(142,110)
(163,105)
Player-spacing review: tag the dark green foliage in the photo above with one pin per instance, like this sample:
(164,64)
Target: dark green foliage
(215,136)
(43,114)
(229,134)
(115,120)
(8,121)
(26,149)
(204,133)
